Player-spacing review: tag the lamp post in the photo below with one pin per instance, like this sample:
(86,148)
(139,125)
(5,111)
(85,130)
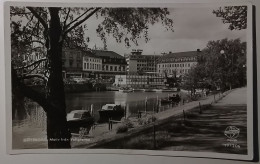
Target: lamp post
(222,52)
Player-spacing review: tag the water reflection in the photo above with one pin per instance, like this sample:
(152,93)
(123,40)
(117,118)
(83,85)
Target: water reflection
(35,116)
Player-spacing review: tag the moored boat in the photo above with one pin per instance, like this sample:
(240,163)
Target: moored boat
(111,111)
(138,90)
(170,90)
(126,90)
(77,119)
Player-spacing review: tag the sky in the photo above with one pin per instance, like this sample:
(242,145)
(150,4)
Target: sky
(193,28)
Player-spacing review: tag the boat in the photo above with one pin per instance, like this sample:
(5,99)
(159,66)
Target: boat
(126,90)
(170,90)
(165,101)
(138,90)
(149,90)
(77,119)
(111,111)
(158,90)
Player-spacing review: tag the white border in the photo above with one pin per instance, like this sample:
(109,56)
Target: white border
(124,151)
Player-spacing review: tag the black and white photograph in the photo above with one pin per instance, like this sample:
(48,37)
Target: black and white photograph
(168,79)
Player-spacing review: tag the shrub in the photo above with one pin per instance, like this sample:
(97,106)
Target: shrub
(147,120)
(127,122)
(122,128)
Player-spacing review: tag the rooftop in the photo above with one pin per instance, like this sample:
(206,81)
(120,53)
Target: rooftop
(110,54)
(181,54)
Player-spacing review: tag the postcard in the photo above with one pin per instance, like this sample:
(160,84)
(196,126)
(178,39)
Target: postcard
(166,79)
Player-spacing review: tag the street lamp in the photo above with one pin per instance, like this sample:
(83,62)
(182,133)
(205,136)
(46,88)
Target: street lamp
(232,75)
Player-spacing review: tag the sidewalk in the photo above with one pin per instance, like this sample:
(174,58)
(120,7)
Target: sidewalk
(161,117)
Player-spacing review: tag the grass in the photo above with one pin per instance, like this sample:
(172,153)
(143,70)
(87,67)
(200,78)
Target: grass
(198,132)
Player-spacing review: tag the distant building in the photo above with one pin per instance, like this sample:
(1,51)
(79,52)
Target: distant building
(72,63)
(138,63)
(112,63)
(147,80)
(179,63)
(92,64)
(36,55)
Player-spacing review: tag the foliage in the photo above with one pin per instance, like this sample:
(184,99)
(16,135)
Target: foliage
(53,28)
(235,16)
(147,119)
(222,64)
(122,128)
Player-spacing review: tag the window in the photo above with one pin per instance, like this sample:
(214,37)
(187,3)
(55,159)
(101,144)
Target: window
(87,66)
(111,68)
(71,63)
(84,65)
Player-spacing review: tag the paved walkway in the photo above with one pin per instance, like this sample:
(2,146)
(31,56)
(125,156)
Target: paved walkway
(234,96)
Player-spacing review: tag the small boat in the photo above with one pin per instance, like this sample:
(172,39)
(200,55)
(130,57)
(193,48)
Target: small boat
(166,101)
(138,90)
(126,90)
(77,119)
(170,90)
(111,111)
(149,90)
(158,90)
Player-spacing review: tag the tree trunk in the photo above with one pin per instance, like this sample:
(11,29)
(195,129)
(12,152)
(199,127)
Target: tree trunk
(57,130)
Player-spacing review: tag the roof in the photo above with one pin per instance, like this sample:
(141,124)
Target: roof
(90,54)
(181,54)
(111,54)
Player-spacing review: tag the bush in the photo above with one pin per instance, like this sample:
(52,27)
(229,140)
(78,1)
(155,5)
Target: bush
(147,120)
(127,122)
(122,128)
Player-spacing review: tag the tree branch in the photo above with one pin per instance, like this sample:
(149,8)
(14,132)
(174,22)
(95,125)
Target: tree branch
(65,21)
(27,66)
(29,76)
(44,24)
(78,18)
(81,21)
(29,92)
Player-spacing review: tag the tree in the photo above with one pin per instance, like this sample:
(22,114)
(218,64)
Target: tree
(56,27)
(222,64)
(235,16)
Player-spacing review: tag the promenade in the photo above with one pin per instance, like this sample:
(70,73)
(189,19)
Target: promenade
(238,96)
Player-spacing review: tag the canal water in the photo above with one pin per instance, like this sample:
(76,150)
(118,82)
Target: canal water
(34,118)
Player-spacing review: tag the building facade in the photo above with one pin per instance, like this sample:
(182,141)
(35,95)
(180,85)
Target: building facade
(178,63)
(112,63)
(92,64)
(138,63)
(147,80)
(72,63)
(38,54)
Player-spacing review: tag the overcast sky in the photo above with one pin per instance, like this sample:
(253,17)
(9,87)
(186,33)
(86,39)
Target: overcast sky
(193,28)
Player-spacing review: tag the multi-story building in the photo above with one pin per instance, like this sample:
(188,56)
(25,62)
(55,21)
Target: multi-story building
(178,63)
(37,54)
(92,64)
(147,80)
(72,63)
(138,63)
(112,63)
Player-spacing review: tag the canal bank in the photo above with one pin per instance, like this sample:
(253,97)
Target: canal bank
(161,118)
